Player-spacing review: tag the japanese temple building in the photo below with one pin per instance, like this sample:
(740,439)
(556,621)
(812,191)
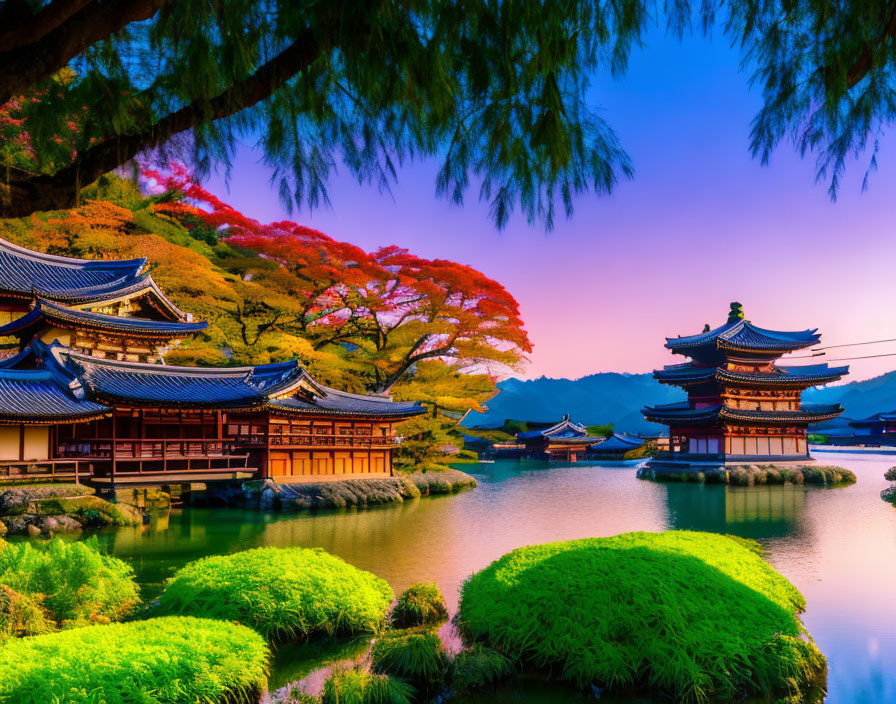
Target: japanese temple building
(741,405)
(564,441)
(84,391)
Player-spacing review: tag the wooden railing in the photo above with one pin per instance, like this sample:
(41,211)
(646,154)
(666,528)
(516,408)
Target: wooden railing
(130,456)
(318,440)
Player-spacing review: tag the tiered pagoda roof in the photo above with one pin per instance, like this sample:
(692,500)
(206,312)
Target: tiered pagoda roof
(25,274)
(285,387)
(740,335)
(737,359)
(801,377)
(46,312)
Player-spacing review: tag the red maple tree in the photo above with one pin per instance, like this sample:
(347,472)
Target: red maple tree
(388,307)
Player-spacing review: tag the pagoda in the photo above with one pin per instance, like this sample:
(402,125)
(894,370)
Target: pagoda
(741,405)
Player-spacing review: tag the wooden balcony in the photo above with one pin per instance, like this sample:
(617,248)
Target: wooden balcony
(158,457)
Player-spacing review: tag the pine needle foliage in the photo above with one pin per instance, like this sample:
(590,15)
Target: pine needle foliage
(417,657)
(694,615)
(283,593)
(357,686)
(72,581)
(158,661)
(420,604)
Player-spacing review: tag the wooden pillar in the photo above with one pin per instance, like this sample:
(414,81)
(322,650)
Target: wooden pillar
(113,453)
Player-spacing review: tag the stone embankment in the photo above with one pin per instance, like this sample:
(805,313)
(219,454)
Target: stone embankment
(48,509)
(753,474)
(271,495)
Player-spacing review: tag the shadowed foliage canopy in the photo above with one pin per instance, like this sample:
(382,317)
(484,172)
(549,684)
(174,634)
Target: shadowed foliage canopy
(496,90)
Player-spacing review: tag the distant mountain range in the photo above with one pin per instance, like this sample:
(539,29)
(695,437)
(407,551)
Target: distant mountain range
(618,398)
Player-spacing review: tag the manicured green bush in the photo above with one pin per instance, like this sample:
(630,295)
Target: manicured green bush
(695,615)
(415,657)
(73,581)
(357,686)
(158,661)
(283,593)
(890,474)
(419,604)
(477,667)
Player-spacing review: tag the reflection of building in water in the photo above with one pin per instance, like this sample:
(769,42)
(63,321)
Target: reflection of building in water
(750,512)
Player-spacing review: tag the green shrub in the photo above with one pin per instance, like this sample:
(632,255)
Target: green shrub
(416,657)
(477,667)
(890,474)
(159,661)
(356,686)
(73,581)
(21,615)
(419,604)
(283,593)
(695,615)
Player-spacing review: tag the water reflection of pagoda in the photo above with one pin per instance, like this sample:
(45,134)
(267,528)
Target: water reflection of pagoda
(741,406)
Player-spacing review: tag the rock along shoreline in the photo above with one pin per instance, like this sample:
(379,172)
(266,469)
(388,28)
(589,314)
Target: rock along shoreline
(268,494)
(753,474)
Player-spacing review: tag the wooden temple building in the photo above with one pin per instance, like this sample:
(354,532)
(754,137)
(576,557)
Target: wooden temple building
(741,405)
(565,441)
(84,391)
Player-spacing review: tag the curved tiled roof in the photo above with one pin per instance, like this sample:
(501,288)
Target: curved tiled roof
(812,375)
(22,270)
(48,312)
(742,335)
(333,402)
(681,411)
(235,387)
(564,429)
(285,387)
(42,396)
(618,442)
(808,413)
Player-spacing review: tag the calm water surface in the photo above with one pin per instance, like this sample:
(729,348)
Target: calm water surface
(838,546)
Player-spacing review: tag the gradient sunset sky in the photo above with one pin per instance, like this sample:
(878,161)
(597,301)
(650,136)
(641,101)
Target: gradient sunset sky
(701,224)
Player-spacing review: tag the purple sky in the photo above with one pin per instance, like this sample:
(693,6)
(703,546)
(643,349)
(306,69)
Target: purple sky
(701,224)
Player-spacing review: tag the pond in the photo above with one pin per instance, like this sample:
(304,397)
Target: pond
(838,546)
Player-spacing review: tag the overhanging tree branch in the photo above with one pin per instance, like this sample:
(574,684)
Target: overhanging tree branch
(25,192)
(34,27)
(23,67)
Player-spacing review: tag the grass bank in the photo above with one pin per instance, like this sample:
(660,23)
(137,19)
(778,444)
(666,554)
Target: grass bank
(283,593)
(159,661)
(694,615)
